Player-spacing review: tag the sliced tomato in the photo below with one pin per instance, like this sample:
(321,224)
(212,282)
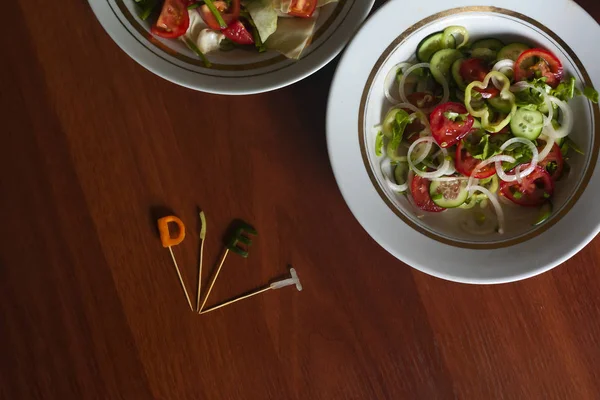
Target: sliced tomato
(422,99)
(173,21)
(229,14)
(303,8)
(445,131)
(237,32)
(537,62)
(555,157)
(475,69)
(419,189)
(465,164)
(535,189)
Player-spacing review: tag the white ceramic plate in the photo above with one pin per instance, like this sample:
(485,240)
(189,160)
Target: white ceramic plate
(435,244)
(237,71)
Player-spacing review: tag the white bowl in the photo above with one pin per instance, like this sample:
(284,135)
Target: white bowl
(237,71)
(436,244)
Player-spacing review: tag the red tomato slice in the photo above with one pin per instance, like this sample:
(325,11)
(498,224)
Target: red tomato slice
(303,8)
(475,69)
(539,62)
(422,99)
(534,190)
(555,156)
(465,164)
(419,188)
(173,21)
(445,131)
(229,15)
(237,32)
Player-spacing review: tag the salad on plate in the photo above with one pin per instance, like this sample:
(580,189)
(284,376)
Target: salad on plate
(206,26)
(477,124)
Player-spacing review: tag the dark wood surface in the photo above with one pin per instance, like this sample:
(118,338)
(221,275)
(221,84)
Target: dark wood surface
(94,145)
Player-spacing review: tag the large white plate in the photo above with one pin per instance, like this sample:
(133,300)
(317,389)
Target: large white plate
(353,107)
(237,71)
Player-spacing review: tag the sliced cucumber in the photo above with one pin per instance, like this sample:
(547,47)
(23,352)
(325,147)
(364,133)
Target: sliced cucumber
(456,74)
(441,62)
(492,44)
(401,173)
(512,51)
(545,213)
(504,106)
(449,194)
(484,53)
(388,122)
(431,44)
(527,124)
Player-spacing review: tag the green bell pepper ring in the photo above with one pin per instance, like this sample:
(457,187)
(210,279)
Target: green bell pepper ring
(484,113)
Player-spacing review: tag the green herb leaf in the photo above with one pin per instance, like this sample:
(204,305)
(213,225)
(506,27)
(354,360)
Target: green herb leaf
(566,90)
(456,117)
(591,94)
(573,146)
(379,144)
(483,149)
(200,54)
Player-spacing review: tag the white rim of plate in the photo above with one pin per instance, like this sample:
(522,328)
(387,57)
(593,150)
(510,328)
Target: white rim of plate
(139,49)
(502,265)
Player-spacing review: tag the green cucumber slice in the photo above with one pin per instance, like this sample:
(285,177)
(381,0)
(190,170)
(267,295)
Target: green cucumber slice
(527,124)
(431,44)
(441,62)
(449,194)
(456,74)
(512,51)
(388,121)
(401,173)
(484,53)
(492,44)
(500,104)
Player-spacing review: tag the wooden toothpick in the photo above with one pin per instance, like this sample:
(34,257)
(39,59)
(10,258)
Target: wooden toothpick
(202,237)
(214,278)
(169,242)
(293,280)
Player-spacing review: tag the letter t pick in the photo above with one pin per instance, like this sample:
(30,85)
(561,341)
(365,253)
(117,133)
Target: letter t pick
(233,245)
(293,280)
(169,242)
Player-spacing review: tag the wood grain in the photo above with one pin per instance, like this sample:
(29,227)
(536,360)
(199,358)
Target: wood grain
(95,146)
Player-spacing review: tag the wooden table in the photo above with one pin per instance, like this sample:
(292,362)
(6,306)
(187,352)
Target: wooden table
(95,146)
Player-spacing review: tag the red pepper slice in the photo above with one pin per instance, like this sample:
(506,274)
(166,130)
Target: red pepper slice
(539,63)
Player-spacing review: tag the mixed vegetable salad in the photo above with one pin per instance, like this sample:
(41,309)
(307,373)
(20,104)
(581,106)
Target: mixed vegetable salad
(475,124)
(212,25)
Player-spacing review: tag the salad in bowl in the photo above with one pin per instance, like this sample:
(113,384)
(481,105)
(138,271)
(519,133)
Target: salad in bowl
(208,26)
(478,125)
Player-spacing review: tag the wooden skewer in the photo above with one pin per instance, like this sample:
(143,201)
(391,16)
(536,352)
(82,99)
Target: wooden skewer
(235,300)
(214,279)
(187,296)
(202,237)
(293,280)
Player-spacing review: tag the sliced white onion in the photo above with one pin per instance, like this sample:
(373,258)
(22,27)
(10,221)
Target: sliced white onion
(386,169)
(406,73)
(534,160)
(566,123)
(495,203)
(519,86)
(441,171)
(390,82)
(503,66)
(423,152)
(518,174)
(498,158)
(547,148)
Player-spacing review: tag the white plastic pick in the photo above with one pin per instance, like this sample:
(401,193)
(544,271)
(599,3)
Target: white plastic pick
(294,280)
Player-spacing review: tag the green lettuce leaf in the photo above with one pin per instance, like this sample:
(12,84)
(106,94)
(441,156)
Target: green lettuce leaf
(292,35)
(263,15)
